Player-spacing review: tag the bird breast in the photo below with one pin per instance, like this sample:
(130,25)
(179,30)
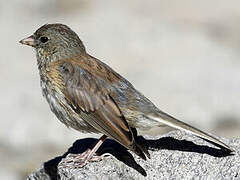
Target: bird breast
(63,111)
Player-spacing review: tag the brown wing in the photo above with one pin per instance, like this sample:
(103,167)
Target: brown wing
(89,95)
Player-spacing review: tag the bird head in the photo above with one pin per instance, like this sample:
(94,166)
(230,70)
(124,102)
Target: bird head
(54,41)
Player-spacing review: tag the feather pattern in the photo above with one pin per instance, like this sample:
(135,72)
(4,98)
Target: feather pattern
(90,95)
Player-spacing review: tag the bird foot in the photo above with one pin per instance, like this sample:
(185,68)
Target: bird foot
(80,160)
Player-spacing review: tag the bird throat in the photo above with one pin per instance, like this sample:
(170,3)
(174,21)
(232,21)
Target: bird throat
(45,57)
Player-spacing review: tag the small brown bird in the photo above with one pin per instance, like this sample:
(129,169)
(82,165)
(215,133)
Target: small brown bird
(89,96)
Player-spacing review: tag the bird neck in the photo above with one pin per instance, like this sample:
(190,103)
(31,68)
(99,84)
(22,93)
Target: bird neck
(45,58)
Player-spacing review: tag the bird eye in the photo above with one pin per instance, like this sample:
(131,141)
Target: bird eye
(43,39)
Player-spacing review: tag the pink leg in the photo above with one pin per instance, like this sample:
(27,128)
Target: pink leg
(95,148)
(80,160)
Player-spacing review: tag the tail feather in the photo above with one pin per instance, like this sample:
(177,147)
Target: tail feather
(175,123)
(139,148)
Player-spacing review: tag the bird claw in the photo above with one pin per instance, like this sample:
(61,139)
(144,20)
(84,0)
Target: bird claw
(80,160)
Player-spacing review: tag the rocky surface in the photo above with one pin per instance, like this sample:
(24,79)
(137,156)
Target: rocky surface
(175,155)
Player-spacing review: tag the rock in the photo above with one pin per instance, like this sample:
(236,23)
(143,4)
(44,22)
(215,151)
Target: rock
(175,155)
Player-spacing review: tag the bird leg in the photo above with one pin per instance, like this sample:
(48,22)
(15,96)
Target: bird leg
(80,160)
(95,148)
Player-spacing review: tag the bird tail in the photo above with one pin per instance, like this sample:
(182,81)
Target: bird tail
(137,147)
(175,123)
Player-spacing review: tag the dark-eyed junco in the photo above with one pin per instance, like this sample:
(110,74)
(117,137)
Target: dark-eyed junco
(89,96)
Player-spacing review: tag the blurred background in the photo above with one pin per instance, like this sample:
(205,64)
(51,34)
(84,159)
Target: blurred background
(183,55)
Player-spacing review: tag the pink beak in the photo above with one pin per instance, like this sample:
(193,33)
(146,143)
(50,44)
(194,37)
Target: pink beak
(28,41)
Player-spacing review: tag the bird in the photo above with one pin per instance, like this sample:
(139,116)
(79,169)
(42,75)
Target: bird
(89,96)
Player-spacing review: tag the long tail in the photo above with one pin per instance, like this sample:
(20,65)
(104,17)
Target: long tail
(172,122)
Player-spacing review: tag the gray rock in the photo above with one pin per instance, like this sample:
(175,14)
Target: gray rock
(175,155)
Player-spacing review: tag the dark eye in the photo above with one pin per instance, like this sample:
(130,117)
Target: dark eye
(43,39)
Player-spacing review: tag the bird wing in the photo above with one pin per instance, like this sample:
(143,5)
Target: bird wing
(89,95)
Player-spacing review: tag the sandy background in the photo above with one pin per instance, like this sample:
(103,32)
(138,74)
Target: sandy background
(183,55)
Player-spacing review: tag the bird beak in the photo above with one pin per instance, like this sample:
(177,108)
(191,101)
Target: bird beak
(28,41)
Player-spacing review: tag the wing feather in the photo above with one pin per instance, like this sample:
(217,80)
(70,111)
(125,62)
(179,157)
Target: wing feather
(90,94)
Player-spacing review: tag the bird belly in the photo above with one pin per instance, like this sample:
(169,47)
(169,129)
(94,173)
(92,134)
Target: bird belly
(64,112)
